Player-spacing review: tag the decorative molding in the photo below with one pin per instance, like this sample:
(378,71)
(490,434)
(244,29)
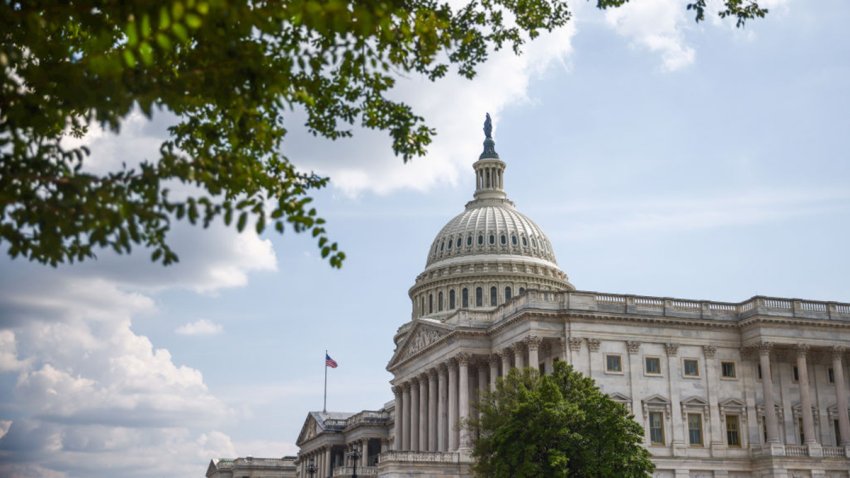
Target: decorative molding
(695,404)
(656,403)
(533,342)
(422,337)
(633,346)
(838,352)
(671,349)
(764,347)
(494,358)
(462,358)
(802,349)
(709,351)
(733,406)
(575,344)
(397,390)
(593,344)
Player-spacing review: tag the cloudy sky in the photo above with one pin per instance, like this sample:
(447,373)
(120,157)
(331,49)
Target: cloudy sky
(661,157)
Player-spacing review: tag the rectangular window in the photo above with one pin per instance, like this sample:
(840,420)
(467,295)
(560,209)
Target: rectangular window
(691,367)
(830,375)
(733,433)
(796,374)
(656,428)
(465,298)
(759,370)
(695,429)
(479,297)
(728,369)
(802,432)
(652,366)
(837,432)
(493,299)
(613,363)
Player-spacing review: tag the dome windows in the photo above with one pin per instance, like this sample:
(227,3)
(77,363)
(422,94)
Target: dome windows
(479,297)
(481,239)
(464,298)
(494,299)
(492,239)
(430,303)
(507,294)
(440,302)
(442,245)
(504,240)
(451,299)
(449,245)
(513,239)
(469,240)
(524,242)
(459,242)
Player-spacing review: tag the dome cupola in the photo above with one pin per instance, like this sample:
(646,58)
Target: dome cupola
(487,254)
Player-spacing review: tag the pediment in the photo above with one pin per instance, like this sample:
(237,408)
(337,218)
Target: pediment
(422,336)
(309,430)
(656,400)
(619,397)
(732,403)
(694,402)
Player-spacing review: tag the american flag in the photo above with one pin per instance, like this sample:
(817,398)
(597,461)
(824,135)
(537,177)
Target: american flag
(329,362)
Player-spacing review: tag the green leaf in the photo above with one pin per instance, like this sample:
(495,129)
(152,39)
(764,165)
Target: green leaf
(146,26)
(163,41)
(129,58)
(132,36)
(146,52)
(243,219)
(193,21)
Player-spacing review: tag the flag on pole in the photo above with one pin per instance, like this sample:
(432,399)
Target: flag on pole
(329,361)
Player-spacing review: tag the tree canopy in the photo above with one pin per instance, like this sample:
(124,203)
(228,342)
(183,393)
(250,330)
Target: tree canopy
(231,71)
(555,425)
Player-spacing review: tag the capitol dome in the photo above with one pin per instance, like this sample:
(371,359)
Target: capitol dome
(488,254)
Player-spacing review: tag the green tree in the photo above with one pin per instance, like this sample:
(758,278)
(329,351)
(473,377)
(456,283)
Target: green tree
(230,70)
(555,425)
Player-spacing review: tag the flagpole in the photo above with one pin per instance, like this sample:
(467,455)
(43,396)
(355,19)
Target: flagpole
(325,403)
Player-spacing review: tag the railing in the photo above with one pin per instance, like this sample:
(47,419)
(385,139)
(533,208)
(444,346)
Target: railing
(419,457)
(796,450)
(361,471)
(833,451)
(367,417)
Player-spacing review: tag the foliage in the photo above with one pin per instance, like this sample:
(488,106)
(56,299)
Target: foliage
(230,70)
(556,425)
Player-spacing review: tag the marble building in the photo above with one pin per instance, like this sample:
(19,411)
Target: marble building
(752,389)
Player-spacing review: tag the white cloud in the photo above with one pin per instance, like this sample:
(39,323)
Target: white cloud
(454,106)
(656,25)
(199,327)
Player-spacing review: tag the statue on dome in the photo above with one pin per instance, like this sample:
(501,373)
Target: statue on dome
(488,127)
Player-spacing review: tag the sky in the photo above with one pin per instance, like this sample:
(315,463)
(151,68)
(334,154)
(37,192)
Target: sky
(662,157)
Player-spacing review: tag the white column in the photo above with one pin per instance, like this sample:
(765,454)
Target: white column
(519,355)
(482,379)
(636,377)
(405,422)
(841,393)
(432,410)
(805,395)
(533,344)
(364,454)
(463,399)
(716,433)
(494,370)
(767,386)
(453,389)
(423,412)
(506,360)
(414,414)
(677,424)
(398,414)
(442,414)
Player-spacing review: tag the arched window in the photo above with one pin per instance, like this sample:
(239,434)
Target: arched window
(479,297)
(449,245)
(513,239)
(443,245)
(464,298)
(534,242)
(480,239)
(451,299)
(524,242)
(504,240)
(469,240)
(421,306)
(493,295)
(459,242)
(507,294)
(521,290)
(492,239)
(440,302)
(430,303)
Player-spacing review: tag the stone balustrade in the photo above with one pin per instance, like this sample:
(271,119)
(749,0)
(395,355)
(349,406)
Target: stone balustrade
(361,471)
(419,457)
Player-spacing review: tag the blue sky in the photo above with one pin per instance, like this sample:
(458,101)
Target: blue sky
(661,157)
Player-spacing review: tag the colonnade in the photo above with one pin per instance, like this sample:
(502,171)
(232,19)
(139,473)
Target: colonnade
(770,418)
(431,408)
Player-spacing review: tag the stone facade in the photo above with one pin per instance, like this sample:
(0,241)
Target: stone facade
(724,390)
(250,467)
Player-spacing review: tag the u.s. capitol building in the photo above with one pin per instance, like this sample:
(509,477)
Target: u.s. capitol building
(723,390)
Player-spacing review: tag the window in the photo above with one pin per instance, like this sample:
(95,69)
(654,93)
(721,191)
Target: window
(443,245)
(513,239)
(480,239)
(521,290)
(492,239)
(459,242)
(796,374)
(449,245)
(464,298)
(837,430)
(830,375)
(690,367)
(507,294)
(733,432)
(613,363)
(430,303)
(469,240)
(802,432)
(451,299)
(504,240)
(524,242)
(479,297)
(656,428)
(440,301)
(727,369)
(759,370)
(493,296)
(652,366)
(695,429)
(533,242)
